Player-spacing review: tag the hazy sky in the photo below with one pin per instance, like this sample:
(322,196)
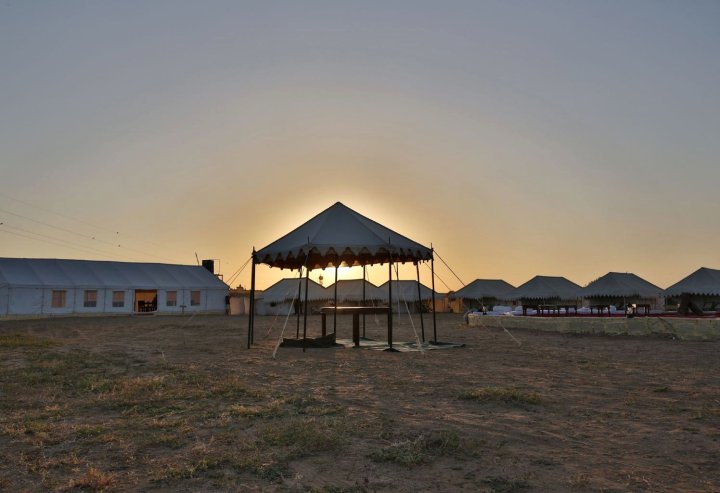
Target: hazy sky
(518,137)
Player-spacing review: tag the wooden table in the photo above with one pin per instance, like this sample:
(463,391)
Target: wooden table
(356,311)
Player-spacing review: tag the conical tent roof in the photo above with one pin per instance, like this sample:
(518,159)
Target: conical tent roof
(352,290)
(547,287)
(703,281)
(620,284)
(340,235)
(407,290)
(287,289)
(484,288)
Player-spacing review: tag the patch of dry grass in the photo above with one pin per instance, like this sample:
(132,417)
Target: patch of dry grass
(93,479)
(506,395)
(410,452)
(20,340)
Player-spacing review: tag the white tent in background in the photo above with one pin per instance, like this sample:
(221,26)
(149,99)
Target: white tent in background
(279,298)
(699,292)
(351,291)
(488,292)
(61,287)
(406,291)
(541,291)
(621,289)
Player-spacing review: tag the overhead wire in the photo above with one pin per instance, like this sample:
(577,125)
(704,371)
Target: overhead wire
(85,223)
(82,235)
(51,240)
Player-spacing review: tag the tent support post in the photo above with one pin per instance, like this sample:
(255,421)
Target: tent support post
(420,306)
(363,300)
(390,307)
(299,304)
(335,305)
(305,311)
(432,269)
(251,315)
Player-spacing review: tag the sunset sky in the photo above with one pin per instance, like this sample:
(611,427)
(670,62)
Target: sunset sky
(566,138)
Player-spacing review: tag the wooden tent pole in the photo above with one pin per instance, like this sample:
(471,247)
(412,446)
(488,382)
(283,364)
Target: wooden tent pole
(299,304)
(363,300)
(251,315)
(420,306)
(305,310)
(432,269)
(335,305)
(390,307)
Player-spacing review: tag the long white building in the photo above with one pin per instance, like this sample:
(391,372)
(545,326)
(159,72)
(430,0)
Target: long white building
(61,287)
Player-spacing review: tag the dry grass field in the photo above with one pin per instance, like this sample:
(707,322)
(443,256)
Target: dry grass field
(179,404)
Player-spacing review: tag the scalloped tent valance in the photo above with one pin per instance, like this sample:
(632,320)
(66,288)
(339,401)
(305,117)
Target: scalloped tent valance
(340,236)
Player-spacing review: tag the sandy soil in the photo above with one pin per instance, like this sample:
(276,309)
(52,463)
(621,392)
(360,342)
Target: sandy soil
(178,404)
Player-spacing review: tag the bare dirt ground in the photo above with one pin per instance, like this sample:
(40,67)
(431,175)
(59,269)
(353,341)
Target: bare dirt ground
(179,404)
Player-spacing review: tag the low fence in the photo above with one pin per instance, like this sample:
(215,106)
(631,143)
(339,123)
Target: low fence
(691,329)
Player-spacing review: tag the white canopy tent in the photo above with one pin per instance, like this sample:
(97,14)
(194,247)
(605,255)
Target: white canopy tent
(698,292)
(547,290)
(624,290)
(619,285)
(704,281)
(339,236)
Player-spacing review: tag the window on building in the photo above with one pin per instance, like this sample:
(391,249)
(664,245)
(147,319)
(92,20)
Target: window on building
(90,300)
(194,298)
(118,299)
(171,298)
(58,298)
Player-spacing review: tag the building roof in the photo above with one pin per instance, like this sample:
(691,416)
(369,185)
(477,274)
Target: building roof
(64,273)
(616,284)
(484,288)
(340,235)
(704,281)
(547,287)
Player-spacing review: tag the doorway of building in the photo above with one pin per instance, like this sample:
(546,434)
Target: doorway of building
(145,300)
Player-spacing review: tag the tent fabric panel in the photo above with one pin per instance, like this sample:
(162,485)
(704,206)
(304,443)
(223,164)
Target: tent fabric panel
(25,301)
(4,295)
